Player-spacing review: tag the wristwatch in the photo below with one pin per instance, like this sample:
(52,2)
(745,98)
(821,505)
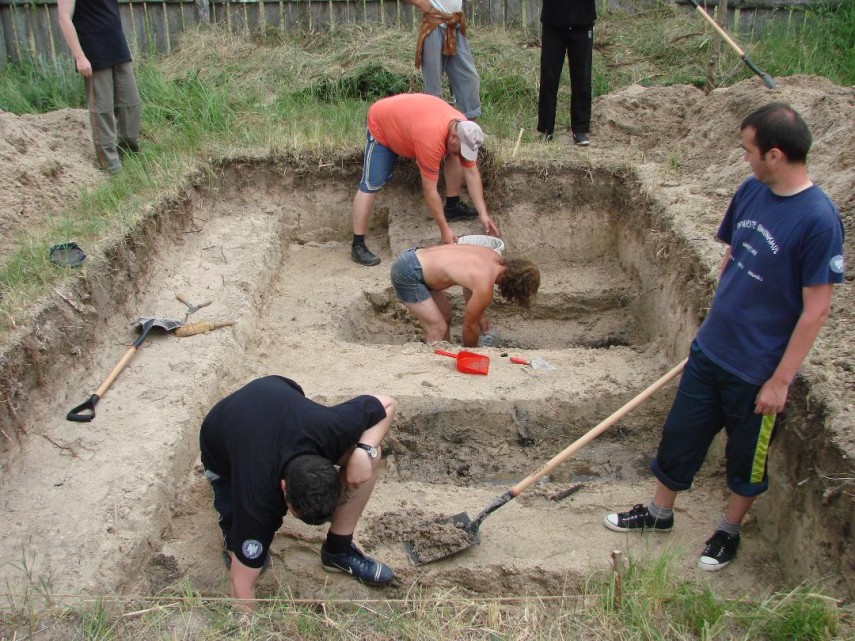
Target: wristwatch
(371,449)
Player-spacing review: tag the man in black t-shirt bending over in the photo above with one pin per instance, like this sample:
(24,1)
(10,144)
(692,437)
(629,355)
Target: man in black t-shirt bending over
(268,449)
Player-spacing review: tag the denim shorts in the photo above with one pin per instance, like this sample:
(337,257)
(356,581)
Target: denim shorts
(407,278)
(377,166)
(708,400)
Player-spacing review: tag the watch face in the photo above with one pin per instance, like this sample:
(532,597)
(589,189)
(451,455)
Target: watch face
(372,450)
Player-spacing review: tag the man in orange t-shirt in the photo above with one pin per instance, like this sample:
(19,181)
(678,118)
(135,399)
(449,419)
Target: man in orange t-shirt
(428,129)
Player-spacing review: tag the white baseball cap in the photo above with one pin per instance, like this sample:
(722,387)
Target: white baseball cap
(471,139)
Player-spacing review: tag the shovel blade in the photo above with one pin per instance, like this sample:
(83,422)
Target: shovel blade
(464,533)
(163,323)
(539,363)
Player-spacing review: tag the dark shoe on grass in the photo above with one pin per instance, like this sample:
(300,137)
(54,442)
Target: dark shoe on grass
(362,255)
(581,139)
(638,519)
(363,568)
(128,147)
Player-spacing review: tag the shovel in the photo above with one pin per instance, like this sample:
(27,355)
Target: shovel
(471,528)
(765,77)
(535,363)
(85,412)
(468,362)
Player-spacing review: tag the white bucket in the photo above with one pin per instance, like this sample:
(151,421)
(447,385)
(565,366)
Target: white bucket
(484,241)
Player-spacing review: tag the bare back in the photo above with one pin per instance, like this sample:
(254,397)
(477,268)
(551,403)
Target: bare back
(470,266)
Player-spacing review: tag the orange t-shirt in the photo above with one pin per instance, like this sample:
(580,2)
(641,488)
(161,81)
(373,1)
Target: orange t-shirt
(415,125)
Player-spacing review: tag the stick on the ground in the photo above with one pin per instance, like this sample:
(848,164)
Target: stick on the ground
(517,146)
(617,569)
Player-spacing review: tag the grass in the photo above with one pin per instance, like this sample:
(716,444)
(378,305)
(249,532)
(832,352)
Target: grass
(304,95)
(652,603)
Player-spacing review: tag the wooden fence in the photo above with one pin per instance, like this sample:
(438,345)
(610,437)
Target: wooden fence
(28,28)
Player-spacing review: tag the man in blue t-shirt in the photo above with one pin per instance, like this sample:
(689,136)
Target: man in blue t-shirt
(267,449)
(785,253)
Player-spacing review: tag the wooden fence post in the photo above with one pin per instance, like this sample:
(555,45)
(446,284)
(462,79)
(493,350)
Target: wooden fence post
(203,11)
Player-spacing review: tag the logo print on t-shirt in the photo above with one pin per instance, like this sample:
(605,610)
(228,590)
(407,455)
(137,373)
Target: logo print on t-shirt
(836,264)
(251,549)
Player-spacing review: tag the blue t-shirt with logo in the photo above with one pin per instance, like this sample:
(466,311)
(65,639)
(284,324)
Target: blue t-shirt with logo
(779,245)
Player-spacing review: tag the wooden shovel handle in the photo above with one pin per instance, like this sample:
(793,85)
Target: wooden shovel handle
(596,431)
(720,31)
(201,327)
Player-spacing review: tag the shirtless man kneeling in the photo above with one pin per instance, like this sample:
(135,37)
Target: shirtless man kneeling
(421,276)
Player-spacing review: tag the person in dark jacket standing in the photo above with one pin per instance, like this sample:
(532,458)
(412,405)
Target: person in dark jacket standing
(568,28)
(93,32)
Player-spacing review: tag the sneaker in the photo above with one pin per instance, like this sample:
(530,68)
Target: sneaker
(227,559)
(460,211)
(719,552)
(545,137)
(581,139)
(354,562)
(362,255)
(637,519)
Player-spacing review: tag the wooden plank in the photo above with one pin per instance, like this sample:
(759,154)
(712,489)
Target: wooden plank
(273,15)
(4,56)
(513,13)
(18,34)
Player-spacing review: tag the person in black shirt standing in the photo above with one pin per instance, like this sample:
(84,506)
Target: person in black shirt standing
(268,449)
(93,32)
(568,28)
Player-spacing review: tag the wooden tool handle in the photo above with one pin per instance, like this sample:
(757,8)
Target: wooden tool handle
(116,371)
(596,431)
(200,328)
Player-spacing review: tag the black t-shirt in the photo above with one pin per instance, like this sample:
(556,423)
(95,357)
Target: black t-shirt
(561,14)
(99,29)
(251,436)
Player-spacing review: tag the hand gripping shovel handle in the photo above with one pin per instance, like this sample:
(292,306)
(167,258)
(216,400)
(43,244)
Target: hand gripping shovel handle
(85,412)
(767,79)
(594,432)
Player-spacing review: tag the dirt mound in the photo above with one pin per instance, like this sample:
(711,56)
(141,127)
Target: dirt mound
(45,160)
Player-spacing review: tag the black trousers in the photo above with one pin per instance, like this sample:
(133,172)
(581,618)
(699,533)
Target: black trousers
(577,43)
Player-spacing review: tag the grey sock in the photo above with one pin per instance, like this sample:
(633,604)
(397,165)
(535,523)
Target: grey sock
(726,526)
(659,513)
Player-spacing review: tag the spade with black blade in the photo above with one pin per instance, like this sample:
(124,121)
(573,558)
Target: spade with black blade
(765,77)
(462,521)
(85,412)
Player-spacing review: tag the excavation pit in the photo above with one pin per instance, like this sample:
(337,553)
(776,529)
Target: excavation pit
(607,317)
(621,297)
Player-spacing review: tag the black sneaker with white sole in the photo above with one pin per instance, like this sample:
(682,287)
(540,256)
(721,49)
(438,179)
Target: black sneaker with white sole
(363,568)
(362,255)
(719,552)
(581,139)
(638,519)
